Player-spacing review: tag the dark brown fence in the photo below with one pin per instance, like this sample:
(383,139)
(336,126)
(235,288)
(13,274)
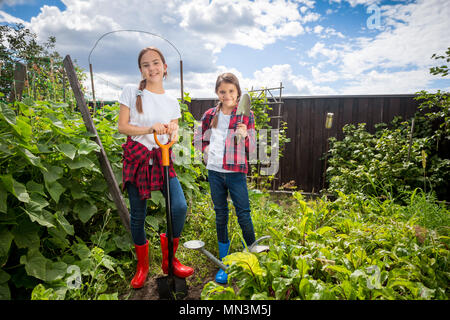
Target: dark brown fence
(305,117)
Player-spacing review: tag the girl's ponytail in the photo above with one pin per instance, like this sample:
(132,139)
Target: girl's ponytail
(139,96)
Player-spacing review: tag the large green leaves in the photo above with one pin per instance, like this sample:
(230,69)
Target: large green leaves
(42,268)
(16,188)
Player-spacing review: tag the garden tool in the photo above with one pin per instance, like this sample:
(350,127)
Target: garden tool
(243,109)
(169,287)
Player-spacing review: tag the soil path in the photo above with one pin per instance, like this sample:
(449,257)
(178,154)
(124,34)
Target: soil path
(150,290)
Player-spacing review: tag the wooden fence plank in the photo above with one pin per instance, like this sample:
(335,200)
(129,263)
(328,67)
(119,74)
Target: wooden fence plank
(305,117)
(102,157)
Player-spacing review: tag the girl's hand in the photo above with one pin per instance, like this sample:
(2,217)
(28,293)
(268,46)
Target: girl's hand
(242,130)
(159,128)
(172,130)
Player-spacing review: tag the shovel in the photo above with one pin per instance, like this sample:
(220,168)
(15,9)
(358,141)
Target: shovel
(170,287)
(243,109)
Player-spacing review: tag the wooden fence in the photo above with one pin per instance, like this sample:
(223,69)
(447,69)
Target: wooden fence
(305,117)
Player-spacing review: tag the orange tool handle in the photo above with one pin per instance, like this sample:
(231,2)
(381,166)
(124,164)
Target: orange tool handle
(164,149)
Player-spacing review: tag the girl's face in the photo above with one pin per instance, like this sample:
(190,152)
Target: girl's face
(152,68)
(228,94)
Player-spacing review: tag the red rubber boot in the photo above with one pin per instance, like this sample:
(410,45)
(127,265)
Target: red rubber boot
(179,270)
(142,266)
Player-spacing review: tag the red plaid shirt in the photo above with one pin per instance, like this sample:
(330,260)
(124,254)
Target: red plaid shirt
(235,154)
(136,158)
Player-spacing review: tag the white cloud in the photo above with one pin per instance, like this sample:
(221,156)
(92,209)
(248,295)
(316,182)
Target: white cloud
(7,18)
(200,29)
(402,82)
(397,59)
(252,24)
(354,3)
(11,3)
(320,49)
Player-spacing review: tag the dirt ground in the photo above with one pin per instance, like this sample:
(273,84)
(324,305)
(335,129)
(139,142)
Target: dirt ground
(150,290)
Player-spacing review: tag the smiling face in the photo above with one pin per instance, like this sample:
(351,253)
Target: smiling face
(152,67)
(227,94)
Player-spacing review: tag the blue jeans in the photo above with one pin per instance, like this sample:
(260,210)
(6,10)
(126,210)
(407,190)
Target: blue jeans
(138,210)
(235,183)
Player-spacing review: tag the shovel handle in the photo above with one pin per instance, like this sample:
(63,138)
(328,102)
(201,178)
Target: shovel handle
(165,150)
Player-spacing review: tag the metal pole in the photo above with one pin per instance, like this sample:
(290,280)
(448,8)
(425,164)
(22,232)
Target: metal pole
(181,80)
(92,84)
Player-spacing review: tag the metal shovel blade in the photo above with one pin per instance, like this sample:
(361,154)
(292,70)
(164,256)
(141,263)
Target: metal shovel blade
(244,105)
(172,288)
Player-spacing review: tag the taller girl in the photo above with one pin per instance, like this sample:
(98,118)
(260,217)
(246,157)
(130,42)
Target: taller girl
(220,139)
(146,109)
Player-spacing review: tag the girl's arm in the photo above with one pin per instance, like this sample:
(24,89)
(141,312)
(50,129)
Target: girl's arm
(126,128)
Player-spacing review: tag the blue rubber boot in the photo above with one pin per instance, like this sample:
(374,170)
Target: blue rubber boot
(221,276)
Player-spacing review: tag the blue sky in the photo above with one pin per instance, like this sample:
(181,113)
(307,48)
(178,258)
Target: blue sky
(321,47)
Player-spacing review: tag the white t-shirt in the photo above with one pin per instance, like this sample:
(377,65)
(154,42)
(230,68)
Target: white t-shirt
(217,144)
(156,108)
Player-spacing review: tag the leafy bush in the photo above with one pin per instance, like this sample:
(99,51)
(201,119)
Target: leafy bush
(350,248)
(382,164)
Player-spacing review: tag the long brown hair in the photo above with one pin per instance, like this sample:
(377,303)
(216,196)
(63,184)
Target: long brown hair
(143,82)
(227,78)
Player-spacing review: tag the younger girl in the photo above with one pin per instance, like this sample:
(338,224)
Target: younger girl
(144,110)
(221,139)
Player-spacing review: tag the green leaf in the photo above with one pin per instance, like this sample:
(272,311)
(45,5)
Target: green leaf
(3,198)
(38,266)
(280,286)
(324,230)
(39,215)
(52,173)
(80,163)
(41,201)
(246,260)
(153,222)
(55,189)
(124,242)
(214,291)
(67,149)
(30,157)
(87,146)
(340,269)
(34,187)
(85,210)
(5,294)
(76,191)
(26,234)
(8,114)
(16,188)
(111,296)
(55,121)
(158,199)
(67,227)
(81,250)
(302,266)
(23,128)
(6,238)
